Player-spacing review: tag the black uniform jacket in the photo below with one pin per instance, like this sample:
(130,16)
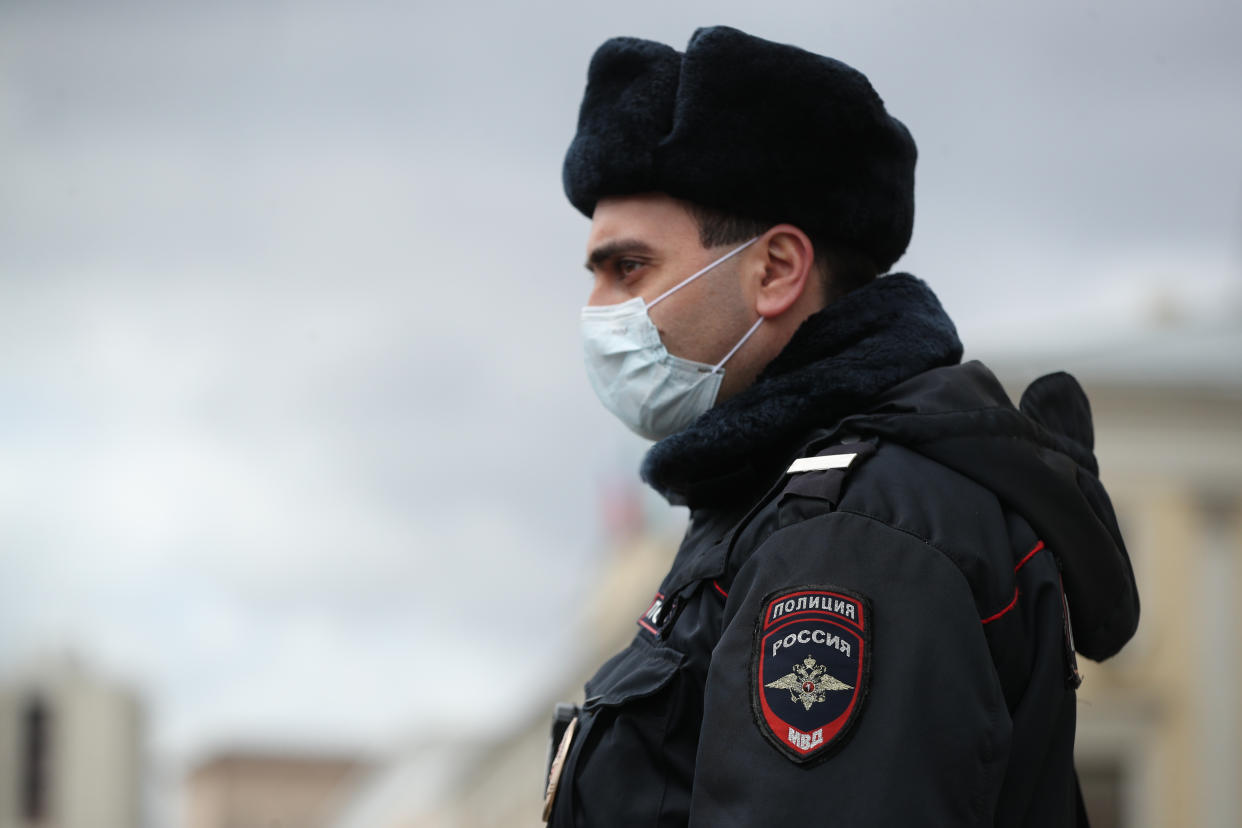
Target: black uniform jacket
(873,615)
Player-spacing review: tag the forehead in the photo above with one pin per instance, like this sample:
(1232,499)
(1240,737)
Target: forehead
(658,219)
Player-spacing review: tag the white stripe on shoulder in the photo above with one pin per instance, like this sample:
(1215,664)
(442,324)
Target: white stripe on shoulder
(822,462)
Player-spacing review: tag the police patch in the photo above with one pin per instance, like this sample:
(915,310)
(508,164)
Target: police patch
(810,669)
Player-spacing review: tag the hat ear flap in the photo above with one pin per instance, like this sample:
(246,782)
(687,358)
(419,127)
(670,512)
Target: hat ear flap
(626,111)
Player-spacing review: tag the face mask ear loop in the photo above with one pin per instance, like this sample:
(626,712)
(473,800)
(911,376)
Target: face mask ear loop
(716,368)
(681,285)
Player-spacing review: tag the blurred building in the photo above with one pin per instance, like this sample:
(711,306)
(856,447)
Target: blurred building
(70,749)
(267,789)
(1160,726)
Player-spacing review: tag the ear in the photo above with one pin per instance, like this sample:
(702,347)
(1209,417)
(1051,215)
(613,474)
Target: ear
(788,269)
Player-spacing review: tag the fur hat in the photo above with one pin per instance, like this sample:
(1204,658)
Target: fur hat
(758,129)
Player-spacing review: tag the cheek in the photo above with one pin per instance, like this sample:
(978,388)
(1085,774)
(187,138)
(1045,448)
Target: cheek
(706,318)
(731,315)
(679,335)
(705,333)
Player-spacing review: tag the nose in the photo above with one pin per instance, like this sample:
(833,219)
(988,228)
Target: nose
(605,292)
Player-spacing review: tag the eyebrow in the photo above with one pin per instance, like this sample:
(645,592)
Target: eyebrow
(610,249)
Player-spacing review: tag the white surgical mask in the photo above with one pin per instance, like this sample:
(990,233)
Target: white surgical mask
(653,392)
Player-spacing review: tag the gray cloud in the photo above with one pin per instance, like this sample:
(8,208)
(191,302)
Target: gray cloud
(288,348)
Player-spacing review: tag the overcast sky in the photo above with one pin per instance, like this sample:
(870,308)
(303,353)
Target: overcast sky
(293,426)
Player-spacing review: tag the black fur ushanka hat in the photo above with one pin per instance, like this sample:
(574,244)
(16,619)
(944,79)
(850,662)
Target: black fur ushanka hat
(759,129)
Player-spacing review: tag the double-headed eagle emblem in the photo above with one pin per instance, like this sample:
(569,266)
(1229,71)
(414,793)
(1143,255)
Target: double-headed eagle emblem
(808,683)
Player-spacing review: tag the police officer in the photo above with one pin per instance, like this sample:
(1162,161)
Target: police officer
(873,617)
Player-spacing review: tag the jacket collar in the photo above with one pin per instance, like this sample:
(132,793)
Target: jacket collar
(838,360)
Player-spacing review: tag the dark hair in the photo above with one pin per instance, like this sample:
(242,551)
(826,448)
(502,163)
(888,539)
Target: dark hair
(841,268)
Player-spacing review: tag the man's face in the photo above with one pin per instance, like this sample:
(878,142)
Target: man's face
(642,245)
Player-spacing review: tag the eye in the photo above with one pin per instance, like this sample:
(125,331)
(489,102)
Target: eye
(627,267)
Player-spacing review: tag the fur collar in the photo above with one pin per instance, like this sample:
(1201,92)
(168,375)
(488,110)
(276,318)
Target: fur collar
(839,359)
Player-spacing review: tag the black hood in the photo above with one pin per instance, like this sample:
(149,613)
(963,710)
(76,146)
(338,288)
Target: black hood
(1038,460)
(882,361)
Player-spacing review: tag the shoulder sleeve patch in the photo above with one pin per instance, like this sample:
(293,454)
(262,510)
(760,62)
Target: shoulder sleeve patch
(810,669)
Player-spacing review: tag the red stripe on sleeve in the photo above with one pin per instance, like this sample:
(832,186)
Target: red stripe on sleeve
(1008,607)
(1029,555)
